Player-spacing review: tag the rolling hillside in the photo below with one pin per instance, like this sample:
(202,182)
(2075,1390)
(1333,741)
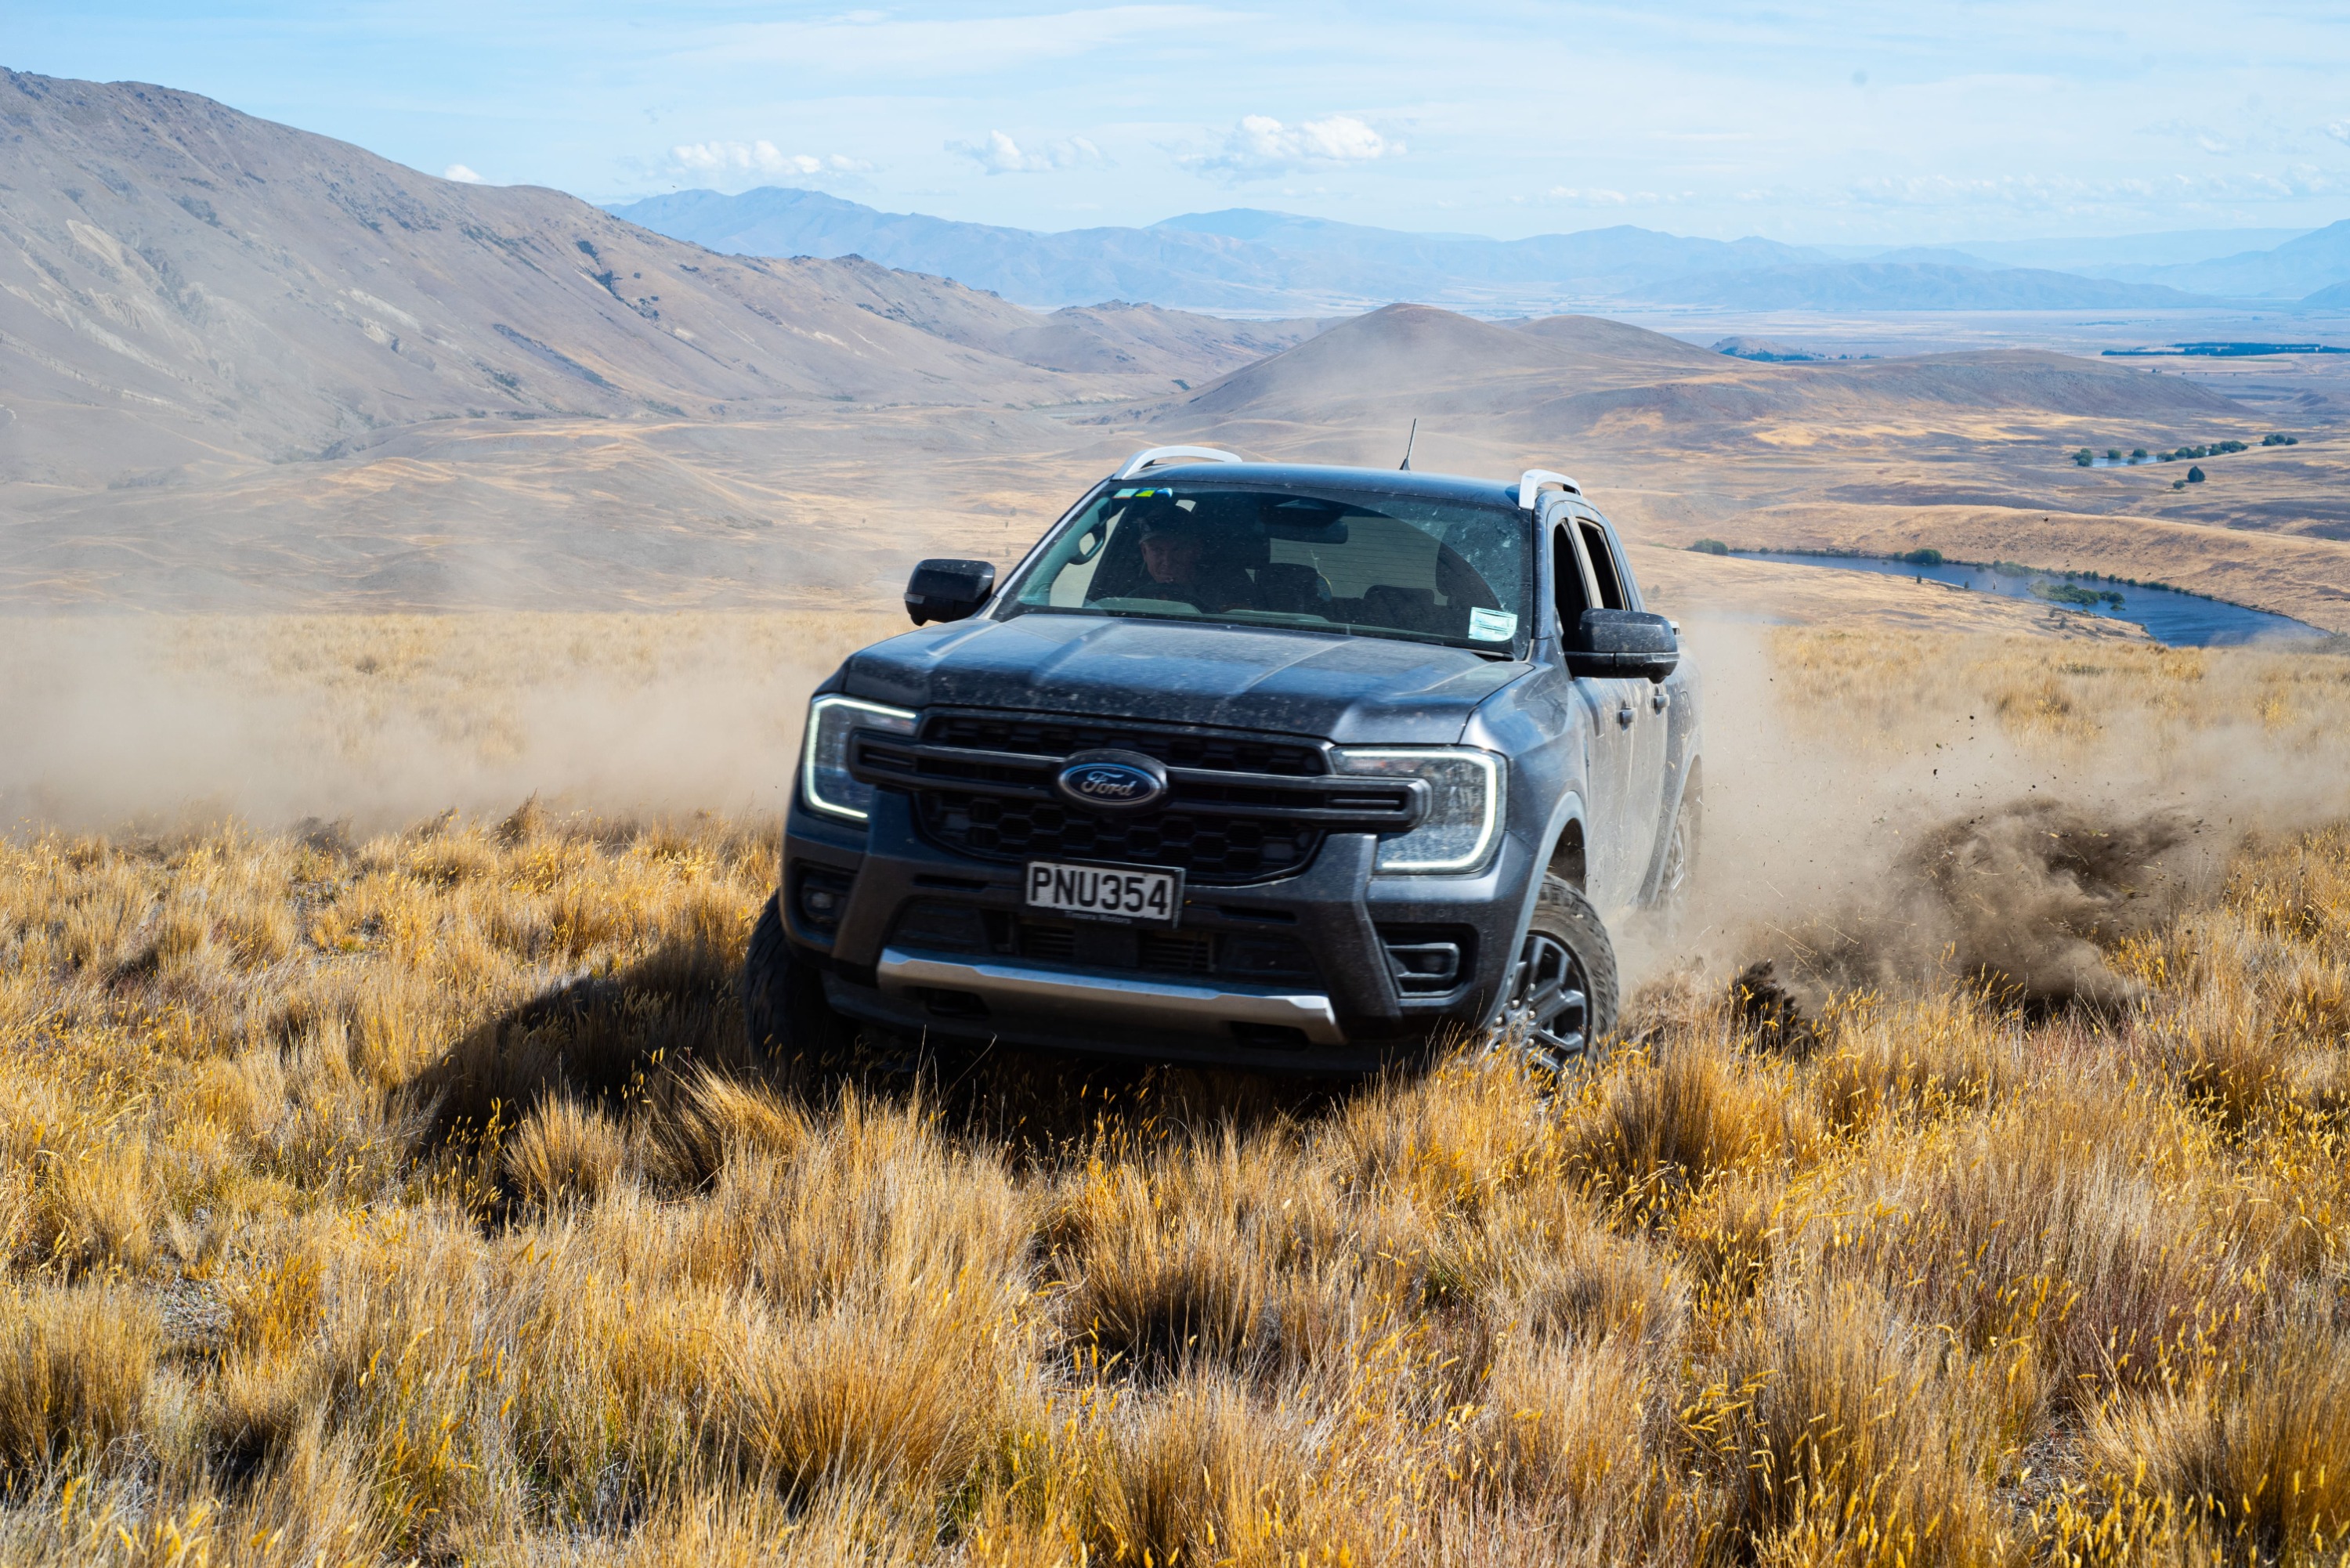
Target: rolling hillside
(239,359)
(187,289)
(1569,375)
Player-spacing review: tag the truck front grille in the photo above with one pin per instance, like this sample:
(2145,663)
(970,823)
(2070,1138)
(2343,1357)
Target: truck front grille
(1212,849)
(1036,736)
(1241,809)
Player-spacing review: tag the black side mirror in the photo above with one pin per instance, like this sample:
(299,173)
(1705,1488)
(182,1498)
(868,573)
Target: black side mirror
(1627,644)
(949,590)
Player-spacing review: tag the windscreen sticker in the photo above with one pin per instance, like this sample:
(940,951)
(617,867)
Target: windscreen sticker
(1491,625)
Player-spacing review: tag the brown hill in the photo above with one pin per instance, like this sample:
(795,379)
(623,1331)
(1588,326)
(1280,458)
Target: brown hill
(187,290)
(1566,376)
(243,365)
(1619,348)
(1389,357)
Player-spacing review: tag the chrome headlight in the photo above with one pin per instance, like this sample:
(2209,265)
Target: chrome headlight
(824,783)
(1464,813)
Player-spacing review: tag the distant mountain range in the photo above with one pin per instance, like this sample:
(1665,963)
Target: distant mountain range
(2295,270)
(2294,266)
(1253,261)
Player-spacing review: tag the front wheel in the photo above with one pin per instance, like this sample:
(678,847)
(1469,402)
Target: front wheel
(1561,998)
(783,1006)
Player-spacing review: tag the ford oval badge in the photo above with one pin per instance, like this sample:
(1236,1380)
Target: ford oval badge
(1112,781)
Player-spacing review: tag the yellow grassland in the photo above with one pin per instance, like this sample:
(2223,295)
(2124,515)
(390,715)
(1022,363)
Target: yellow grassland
(409,1195)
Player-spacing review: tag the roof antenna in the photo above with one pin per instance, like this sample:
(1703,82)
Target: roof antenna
(1405,466)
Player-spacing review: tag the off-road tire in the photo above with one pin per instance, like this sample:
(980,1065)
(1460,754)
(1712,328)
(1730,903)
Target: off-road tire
(783,1008)
(1562,920)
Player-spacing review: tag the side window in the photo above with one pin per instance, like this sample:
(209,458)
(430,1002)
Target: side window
(1566,568)
(1602,566)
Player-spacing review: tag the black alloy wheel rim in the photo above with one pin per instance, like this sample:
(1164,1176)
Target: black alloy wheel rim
(1547,1018)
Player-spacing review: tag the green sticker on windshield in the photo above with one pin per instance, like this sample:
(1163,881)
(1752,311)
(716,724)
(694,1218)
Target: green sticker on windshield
(1492,625)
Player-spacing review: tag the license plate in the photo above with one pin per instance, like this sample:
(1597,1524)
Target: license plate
(1127,894)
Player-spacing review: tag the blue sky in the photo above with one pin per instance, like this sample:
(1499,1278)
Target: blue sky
(1822,122)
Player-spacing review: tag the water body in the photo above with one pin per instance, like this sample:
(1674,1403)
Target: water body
(2180,621)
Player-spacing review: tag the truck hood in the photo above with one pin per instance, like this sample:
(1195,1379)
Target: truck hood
(1353,690)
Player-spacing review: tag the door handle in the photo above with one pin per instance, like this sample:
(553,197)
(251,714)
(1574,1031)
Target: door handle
(1624,715)
(1658,699)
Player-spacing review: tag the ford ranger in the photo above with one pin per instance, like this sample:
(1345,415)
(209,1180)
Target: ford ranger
(1256,763)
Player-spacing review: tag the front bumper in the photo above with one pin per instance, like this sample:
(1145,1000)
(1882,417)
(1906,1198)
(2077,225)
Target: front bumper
(1116,1001)
(1301,972)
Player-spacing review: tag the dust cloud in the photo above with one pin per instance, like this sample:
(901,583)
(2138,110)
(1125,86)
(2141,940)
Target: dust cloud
(154,722)
(2000,811)
(1877,811)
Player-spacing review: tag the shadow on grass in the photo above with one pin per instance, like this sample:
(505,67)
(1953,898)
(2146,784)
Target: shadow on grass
(631,1044)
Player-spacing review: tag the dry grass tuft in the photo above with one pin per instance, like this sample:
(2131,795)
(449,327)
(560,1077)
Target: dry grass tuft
(1841,1433)
(564,1152)
(76,1373)
(1209,1476)
(2254,1452)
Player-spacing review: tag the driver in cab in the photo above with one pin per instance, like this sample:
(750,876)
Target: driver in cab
(1177,565)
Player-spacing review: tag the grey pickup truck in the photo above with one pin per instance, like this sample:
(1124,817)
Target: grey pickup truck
(1248,763)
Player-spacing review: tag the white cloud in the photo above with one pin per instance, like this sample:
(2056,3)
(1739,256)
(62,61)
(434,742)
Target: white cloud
(460,173)
(999,154)
(1600,196)
(2339,130)
(2202,136)
(1261,147)
(760,158)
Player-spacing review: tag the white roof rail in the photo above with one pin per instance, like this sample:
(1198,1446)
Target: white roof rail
(1531,483)
(1150,457)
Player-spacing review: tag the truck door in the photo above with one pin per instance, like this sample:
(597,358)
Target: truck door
(1606,700)
(1643,799)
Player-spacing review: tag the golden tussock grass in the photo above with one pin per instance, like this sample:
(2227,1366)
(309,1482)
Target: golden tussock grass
(413,1197)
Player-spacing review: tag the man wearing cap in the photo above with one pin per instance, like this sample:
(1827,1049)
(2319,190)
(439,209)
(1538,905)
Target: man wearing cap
(1175,564)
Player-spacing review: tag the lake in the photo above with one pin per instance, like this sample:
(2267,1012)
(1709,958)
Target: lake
(2181,620)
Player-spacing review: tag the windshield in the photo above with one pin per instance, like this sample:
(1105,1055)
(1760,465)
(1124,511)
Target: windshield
(1379,566)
